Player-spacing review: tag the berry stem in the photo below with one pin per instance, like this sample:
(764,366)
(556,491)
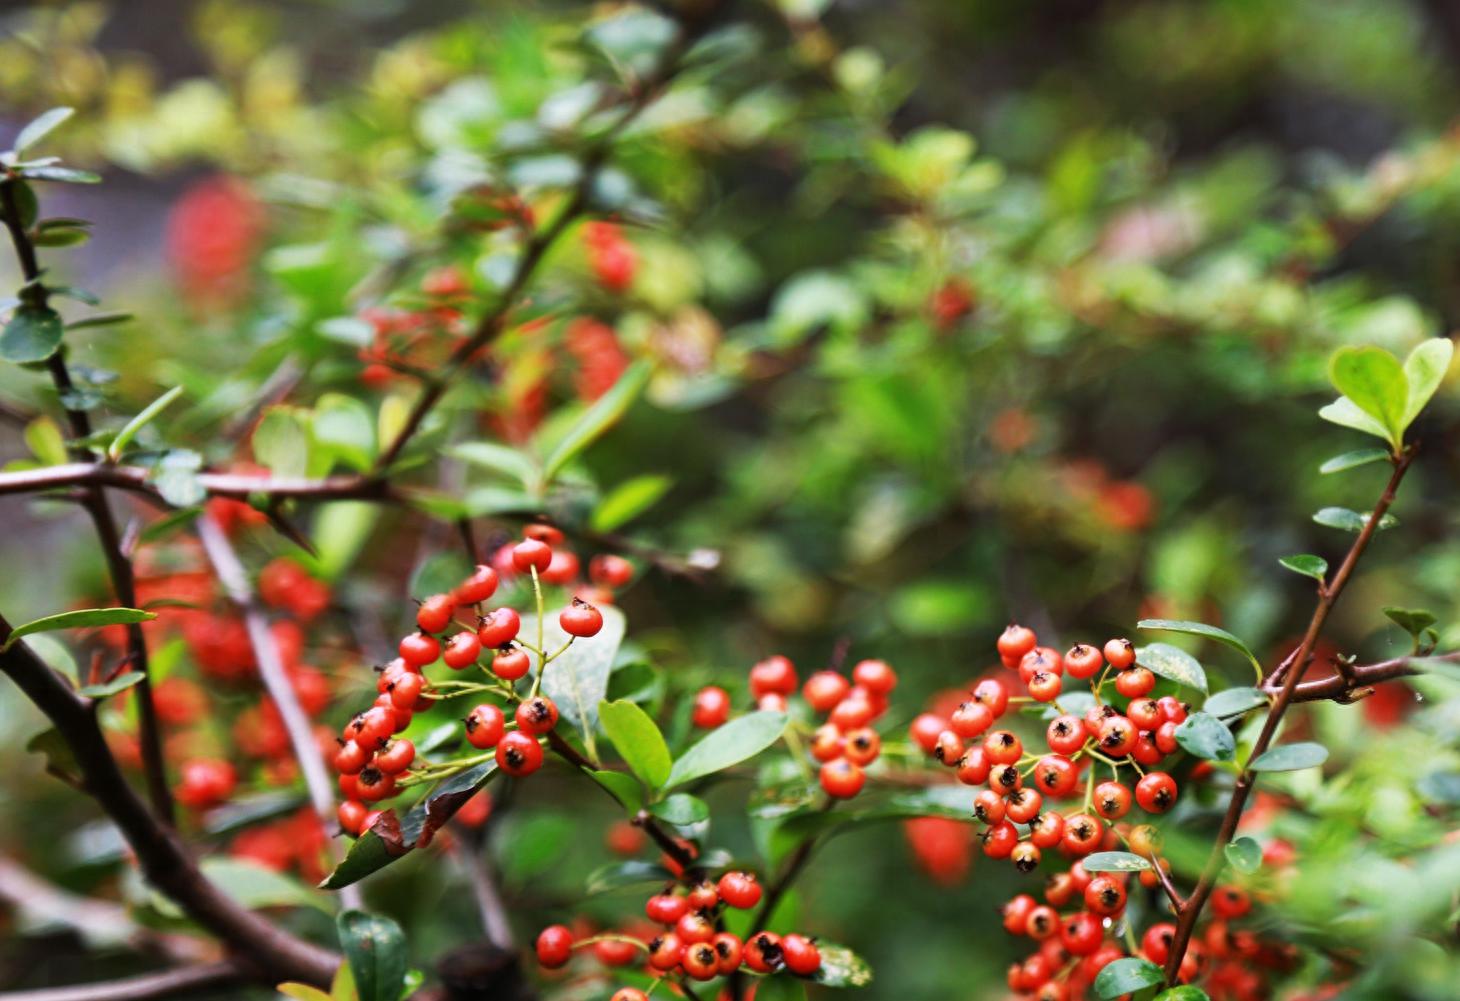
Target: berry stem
(542,661)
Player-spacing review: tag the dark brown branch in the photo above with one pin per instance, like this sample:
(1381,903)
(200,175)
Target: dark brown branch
(231,485)
(266,953)
(1178,904)
(119,566)
(146,987)
(1299,659)
(1362,677)
(683,857)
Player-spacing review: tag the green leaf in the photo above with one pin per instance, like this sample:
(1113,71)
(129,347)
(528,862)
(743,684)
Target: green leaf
(628,500)
(597,419)
(1374,380)
(1344,412)
(508,463)
(840,967)
(1182,992)
(1309,566)
(32,335)
(375,947)
(280,443)
(1352,460)
(1115,862)
(40,127)
(1412,620)
(46,442)
(129,431)
(1125,976)
(255,886)
(1245,855)
(812,300)
(66,175)
(301,992)
(1350,521)
(341,530)
(780,987)
(1199,629)
(578,679)
(1291,757)
(637,740)
(1234,702)
(681,810)
(625,788)
(118,684)
(1207,737)
(344,429)
(728,745)
(392,838)
(617,875)
(60,762)
(83,618)
(1424,370)
(1174,664)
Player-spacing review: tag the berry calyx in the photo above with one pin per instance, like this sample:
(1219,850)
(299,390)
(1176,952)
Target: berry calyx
(537,715)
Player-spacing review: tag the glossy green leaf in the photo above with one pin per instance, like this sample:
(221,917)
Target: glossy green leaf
(727,745)
(1205,736)
(624,787)
(255,886)
(1309,566)
(281,444)
(33,334)
(65,175)
(1115,862)
(1424,370)
(344,428)
(780,986)
(1346,413)
(60,761)
(1174,664)
(1291,757)
(137,423)
(1412,620)
(1350,521)
(578,679)
(1198,629)
(840,967)
(1245,855)
(681,810)
(1374,381)
(1234,702)
(1125,976)
(118,684)
(1182,992)
(638,741)
(83,618)
(597,419)
(628,500)
(508,463)
(40,127)
(635,872)
(375,948)
(1352,460)
(301,992)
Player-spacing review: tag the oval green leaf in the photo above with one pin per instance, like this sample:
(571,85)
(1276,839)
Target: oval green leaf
(841,967)
(1205,736)
(1182,992)
(1174,664)
(681,810)
(83,618)
(1424,369)
(728,745)
(1309,566)
(1350,521)
(375,948)
(597,419)
(32,335)
(118,684)
(1245,855)
(1115,862)
(637,740)
(1352,460)
(1291,757)
(1234,702)
(1375,381)
(1125,976)
(1199,629)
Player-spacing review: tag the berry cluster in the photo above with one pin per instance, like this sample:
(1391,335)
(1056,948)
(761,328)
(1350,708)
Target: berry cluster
(611,256)
(374,761)
(692,943)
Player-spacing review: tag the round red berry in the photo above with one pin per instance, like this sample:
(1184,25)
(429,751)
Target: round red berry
(518,754)
(532,554)
(480,586)
(554,946)
(581,619)
(462,650)
(435,613)
(841,779)
(484,726)
(498,627)
(536,716)
(800,955)
(711,707)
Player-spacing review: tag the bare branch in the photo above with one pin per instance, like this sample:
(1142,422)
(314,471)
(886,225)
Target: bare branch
(146,987)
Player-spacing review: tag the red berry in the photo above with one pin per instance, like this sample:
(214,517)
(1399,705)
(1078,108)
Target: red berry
(762,952)
(824,689)
(1016,913)
(498,627)
(876,676)
(862,746)
(852,712)
(418,649)
(728,952)
(1047,830)
(395,757)
(580,619)
(205,782)
(665,952)
(1134,682)
(1023,805)
(666,908)
(435,613)
(1230,902)
(405,690)
(924,730)
(703,896)
(971,719)
(1155,792)
(841,779)
(1121,653)
(1105,896)
(1005,779)
(989,807)
(1145,713)
(629,994)
(773,675)
(484,726)
(1065,734)
(543,532)
(1002,747)
(350,758)
(827,743)
(1044,686)
(711,707)
(1043,922)
(1083,661)
(800,955)
(1082,835)
(1015,642)
(740,890)
(518,754)
(948,749)
(1112,800)
(374,784)
(1117,736)
(351,815)
(974,767)
(999,840)
(554,946)
(613,952)
(992,694)
(462,650)
(1056,775)
(511,663)
(610,570)
(1025,856)
(700,959)
(1041,658)
(1081,934)
(480,586)
(532,554)
(694,927)
(536,716)
(1156,943)
(561,569)
(1172,708)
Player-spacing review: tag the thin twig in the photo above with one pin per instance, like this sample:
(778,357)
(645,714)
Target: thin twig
(1299,658)
(234,579)
(146,987)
